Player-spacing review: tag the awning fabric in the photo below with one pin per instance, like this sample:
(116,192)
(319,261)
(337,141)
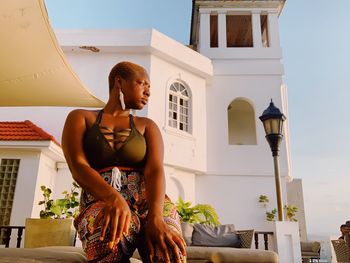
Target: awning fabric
(33,68)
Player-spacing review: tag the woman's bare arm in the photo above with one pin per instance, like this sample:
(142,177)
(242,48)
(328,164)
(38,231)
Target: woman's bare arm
(154,171)
(116,212)
(158,234)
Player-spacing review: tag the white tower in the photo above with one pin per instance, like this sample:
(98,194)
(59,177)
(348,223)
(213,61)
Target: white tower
(242,40)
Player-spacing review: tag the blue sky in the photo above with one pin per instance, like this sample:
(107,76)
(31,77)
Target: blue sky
(315,40)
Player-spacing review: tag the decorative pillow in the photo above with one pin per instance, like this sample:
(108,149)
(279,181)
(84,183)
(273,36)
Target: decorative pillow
(220,236)
(245,237)
(187,230)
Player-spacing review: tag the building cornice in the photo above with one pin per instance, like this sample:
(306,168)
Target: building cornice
(135,41)
(49,148)
(249,4)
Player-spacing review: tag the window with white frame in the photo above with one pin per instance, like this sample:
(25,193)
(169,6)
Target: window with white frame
(179,107)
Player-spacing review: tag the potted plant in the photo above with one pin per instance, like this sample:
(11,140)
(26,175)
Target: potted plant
(200,213)
(55,226)
(290,210)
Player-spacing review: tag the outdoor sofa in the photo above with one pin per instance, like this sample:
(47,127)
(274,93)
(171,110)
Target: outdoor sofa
(194,255)
(212,244)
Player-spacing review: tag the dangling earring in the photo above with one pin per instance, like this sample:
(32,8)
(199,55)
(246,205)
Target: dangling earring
(121,99)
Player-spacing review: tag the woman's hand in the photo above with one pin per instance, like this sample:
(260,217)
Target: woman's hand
(115,213)
(160,237)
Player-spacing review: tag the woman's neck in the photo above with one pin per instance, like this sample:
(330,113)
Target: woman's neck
(114,108)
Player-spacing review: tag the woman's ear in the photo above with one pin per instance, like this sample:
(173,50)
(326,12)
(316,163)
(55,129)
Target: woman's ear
(118,82)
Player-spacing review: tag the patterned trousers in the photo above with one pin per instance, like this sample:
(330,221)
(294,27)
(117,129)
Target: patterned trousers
(131,185)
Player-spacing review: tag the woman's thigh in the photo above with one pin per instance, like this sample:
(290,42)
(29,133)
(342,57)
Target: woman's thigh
(97,250)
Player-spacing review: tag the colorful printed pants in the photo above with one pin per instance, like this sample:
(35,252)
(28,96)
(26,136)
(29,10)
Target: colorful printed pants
(130,184)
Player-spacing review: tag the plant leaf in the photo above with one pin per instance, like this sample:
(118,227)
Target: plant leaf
(56,210)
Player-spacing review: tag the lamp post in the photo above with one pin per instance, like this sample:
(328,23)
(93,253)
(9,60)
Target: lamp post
(273,119)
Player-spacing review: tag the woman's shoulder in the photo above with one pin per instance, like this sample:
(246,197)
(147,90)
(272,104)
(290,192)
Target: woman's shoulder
(144,121)
(148,125)
(83,113)
(88,116)
(143,124)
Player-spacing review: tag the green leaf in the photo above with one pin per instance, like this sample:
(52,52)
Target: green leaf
(61,207)
(61,202)
(264,199)
(43,214)
(56,210)
(200,213)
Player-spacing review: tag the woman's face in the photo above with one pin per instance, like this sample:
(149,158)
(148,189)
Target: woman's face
(137,90)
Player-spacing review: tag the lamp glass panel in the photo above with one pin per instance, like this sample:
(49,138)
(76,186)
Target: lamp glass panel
(281,127)
(267,126)
(275,126)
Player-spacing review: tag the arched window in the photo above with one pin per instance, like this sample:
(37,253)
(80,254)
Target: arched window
(241,123)
(179,107)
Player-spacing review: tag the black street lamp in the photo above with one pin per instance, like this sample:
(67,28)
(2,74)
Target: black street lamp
(273,119)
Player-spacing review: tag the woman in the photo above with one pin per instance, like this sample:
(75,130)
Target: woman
(117,159)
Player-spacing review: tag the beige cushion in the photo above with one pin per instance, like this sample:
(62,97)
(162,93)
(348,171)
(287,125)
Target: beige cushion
(58,254)
(226,254)
(46,254)
(194,255)
(309,254)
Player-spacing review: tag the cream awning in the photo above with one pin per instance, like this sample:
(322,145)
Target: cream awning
(33,68)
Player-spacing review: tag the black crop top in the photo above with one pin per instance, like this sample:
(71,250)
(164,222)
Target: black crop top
(100,154)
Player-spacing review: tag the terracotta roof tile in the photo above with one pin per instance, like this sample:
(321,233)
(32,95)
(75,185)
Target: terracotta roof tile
(23,131)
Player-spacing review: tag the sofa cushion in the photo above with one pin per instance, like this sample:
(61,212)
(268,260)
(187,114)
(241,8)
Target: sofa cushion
(187,230)
(45,254)
(210,236)
(229,255)
(54,254)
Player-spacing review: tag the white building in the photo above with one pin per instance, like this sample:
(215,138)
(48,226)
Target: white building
(30,158)
(206,99)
